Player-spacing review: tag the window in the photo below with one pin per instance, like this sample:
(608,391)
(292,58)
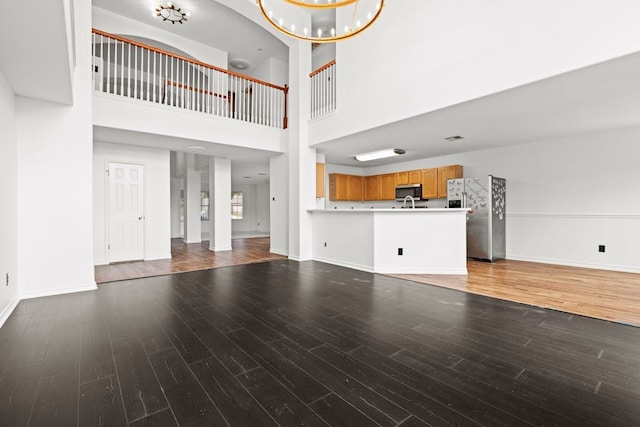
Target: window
(236,205)
(204,205)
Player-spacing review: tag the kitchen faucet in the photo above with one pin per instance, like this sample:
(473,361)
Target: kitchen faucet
(413,202)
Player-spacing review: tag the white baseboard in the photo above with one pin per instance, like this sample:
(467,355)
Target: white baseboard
(48,293)
(278,251)
(8,310)
(360,267)
(608,267)
(462,271)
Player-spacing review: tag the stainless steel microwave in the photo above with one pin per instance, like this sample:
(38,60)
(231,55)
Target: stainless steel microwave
(413,190)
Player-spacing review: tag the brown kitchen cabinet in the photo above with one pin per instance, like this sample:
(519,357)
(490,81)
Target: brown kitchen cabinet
(319,180)
(388,186)
(445,173)
(402,178)
(415,177)
(338,186)
(429,182)
(372,187)
(356,187)
(343,187)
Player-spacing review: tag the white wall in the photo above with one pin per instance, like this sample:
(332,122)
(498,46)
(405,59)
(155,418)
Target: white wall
(279,204)
(55,241)
(9,194)
(249,209)
(455,51)
(263,213)
(272,70)
(564,197)
(156,193)
(322,55)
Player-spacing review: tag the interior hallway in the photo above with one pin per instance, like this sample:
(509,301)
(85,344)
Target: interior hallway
(190,257)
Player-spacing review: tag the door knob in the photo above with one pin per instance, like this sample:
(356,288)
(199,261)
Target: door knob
(140,218)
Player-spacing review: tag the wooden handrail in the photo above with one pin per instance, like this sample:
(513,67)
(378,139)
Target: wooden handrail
(183,58)
(324,67)
(183,86)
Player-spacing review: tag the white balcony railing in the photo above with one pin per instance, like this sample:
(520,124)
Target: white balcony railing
(323,90)
(127,68)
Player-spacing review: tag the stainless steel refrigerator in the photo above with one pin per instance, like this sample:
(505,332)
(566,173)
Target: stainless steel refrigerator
(486,229)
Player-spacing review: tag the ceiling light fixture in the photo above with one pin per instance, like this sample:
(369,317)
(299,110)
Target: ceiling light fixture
(375,155)
(282,15)
(196,148)
(454,138)
(171,13)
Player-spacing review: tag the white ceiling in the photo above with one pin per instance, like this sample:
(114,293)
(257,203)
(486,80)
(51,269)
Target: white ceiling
(600,97)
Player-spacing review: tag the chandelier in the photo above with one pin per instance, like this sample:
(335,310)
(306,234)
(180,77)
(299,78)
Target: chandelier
(171,13)
(331,20)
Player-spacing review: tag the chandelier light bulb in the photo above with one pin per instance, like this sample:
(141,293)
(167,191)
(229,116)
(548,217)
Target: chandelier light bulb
(358,15)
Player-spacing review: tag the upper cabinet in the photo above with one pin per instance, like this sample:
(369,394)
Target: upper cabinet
(445,173)
(319,180)
(415,177)
(372,187)
(429,183)
(338,186)
(356,187)
(388,186)
(344,187)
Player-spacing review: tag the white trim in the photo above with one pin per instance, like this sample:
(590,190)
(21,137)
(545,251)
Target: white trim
(278,251)
(462,272)
(156,258)
(90,287)
(570,215)
(4,316)
(360,267)
(574,264)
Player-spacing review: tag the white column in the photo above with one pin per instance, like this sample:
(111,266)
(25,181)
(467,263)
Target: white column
(192,181)
(220,204)
(302,158)
(279,204)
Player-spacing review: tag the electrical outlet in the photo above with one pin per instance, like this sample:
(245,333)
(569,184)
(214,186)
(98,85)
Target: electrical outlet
(400,251)
(601,248)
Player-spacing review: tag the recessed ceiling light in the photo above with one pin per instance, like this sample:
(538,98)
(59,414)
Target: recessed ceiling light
(247,177)
(262,174)
(196,148)
(454,138)
(239,64)
(374,155)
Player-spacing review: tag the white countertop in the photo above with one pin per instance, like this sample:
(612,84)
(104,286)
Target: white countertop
(398,210)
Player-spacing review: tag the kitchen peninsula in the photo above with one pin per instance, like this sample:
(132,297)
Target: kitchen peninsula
(392,241)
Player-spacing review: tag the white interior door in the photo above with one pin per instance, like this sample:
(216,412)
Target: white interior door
(126,212)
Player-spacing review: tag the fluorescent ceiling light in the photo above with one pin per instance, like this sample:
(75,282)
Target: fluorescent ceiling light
(375,155)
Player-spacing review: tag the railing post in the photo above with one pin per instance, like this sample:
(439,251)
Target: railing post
(286,93)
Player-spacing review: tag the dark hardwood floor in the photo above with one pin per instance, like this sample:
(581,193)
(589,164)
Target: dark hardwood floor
(287,343)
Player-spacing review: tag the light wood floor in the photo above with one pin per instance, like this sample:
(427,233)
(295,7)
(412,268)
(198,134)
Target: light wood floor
(600,294)
(189,257)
